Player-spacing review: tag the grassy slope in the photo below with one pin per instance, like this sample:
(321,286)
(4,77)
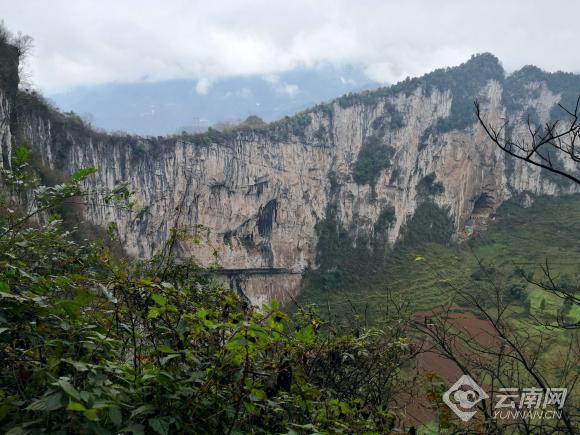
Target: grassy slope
(519,237)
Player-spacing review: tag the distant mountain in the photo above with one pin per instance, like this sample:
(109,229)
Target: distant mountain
(158,108)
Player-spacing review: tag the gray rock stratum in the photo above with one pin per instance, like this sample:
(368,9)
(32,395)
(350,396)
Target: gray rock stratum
(262,191)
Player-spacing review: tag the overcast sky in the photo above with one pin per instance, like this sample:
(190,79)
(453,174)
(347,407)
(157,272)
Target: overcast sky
(82,42)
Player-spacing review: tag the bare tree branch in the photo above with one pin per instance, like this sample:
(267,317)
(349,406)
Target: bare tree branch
(554,138)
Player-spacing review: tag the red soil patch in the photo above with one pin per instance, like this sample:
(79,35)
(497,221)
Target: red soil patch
(431,368)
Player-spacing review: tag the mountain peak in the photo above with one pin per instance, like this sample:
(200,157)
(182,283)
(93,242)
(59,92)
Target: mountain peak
(485,58)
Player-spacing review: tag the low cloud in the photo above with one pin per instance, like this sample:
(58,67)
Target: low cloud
(86,43)
(202,86)
(288,89)
(281,87)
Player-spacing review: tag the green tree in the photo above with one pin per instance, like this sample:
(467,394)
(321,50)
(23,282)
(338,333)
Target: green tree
(543,305)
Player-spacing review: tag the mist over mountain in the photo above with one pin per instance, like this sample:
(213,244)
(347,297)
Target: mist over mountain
(159,108)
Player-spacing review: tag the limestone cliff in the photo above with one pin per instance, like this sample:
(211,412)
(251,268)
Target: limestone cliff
(368,158)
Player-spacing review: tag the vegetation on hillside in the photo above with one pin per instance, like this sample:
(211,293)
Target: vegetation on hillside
(517,88)
(429,187)
(9,54)
(343,263)
(463,81)
(94,343)
(519,238)
(374,156)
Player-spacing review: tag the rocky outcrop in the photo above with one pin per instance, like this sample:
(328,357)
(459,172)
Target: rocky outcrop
(261,192)
(5,131)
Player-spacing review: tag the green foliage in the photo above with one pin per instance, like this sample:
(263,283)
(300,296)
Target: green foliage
(484,273)
(567,305)
(298,123)
(326,109)
(254,121)
(527,304)
(428,186)
(568,284)
(322,133)
(45,199)
(369,98)
(19,176)
(344,263)
(386,218)
(289,126)
(9,61)
(543,305)
(20,157)
(91,343)
(396,121)
(465,82)
(374,156)
(430,223)
(390,121)
(515,293)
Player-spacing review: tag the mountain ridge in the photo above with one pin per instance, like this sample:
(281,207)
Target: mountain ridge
(168,107)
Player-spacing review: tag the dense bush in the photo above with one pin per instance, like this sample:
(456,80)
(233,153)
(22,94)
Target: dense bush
(343,263)
(9,58)
(515,293)
(484,273)
(373,157)
(386,218)
(430,223)
(391,120)
(91,343)
(429,186)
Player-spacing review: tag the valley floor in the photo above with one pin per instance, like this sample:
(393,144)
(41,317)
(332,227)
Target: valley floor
(516,244)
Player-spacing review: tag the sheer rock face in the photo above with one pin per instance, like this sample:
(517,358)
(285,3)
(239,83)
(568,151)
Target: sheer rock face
(261,192)
(5,133)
